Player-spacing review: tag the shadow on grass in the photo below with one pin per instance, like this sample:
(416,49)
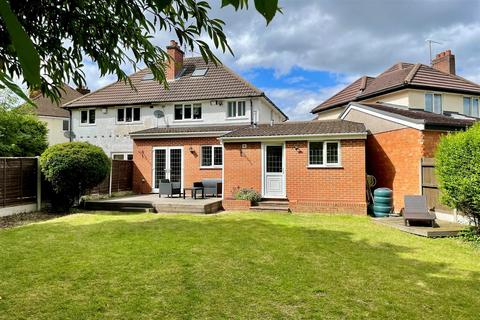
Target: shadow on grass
(189,267)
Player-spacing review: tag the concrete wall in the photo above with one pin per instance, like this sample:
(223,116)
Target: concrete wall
(330,114)
(372,123)
(114,137)
(401,97)
(55,129)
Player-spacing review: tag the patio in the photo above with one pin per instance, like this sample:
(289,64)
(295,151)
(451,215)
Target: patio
(442,228)
(153,203)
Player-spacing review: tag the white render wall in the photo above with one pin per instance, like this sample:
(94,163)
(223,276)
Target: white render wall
(114,137)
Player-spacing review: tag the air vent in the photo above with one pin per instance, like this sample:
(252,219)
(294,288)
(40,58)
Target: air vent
(200,72)
(148,76)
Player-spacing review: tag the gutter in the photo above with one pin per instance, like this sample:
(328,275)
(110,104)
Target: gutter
(171,135)
(325,136)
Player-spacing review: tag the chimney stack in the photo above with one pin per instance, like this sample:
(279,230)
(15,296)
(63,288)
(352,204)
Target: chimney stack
(445,62)
(83,90)
(175,63)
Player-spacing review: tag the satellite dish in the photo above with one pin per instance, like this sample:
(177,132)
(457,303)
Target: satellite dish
(69,134)
(158,114)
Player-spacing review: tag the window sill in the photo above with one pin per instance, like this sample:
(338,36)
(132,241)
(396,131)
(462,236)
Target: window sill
(211,168)
(237,118)
(129,123)
(87,124)
(337,166)
(189,120)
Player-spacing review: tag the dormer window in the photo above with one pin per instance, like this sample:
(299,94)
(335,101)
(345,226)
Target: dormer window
(470,107)
(433,102)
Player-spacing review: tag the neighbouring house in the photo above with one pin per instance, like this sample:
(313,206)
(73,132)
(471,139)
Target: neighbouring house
(405,110)
(199,95)
(56,118)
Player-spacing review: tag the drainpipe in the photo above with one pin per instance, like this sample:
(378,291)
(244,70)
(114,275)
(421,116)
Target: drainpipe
(251,112)
(70,132)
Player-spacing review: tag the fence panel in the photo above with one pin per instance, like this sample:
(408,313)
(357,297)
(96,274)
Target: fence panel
(18,181)
(122,171)
(430,186)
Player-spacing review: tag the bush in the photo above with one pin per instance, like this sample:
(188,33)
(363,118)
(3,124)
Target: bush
(470,235)
(247,194)
(72,168)
(458,172)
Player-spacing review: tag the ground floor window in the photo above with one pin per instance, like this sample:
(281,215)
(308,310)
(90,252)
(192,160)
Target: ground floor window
(122,156)
(323,153)
(212,156)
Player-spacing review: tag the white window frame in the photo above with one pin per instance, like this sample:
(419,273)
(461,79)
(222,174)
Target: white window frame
(123,154)
(124,121)
(192,106)
(88,123)
(324,155)
(237,108)
(433,102)
(470,114)
(213,165)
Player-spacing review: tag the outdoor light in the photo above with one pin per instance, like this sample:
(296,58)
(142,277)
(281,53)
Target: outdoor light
(104,110)
(296,148)
(190,149)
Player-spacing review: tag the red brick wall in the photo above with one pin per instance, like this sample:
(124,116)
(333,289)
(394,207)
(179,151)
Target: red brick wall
(243,167)
(394,159)
(308,189)
(430,141)
(327,189)
(142,157)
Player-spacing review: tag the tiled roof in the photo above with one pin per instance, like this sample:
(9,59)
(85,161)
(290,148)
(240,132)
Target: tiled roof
(181,130)
(400,75)
(420,116)
(346,95)
(299,128)
(45,106)
(219,82)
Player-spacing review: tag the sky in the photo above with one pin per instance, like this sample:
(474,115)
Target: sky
(317,47)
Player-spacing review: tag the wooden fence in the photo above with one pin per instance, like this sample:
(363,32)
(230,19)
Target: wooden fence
(430,186)
(119,179)
(18,181)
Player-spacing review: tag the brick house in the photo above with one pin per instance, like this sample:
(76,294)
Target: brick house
(405,109)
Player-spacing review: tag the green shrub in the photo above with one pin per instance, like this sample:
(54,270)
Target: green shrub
(458,172)
(72,168)
(247,194)
(470,235)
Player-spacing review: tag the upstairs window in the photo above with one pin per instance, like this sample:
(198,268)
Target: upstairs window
(433,102)
(236,109)
(470,107)
(66,125)
(188,111)
(129,114)
(87,116)
(212,156)
(324,154)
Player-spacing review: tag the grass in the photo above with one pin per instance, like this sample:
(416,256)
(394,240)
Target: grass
(236,265)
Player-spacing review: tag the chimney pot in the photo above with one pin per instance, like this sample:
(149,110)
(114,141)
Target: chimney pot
(175,61)
(445,62)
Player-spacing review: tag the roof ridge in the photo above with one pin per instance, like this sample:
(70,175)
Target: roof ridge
(101,88)
(412,73)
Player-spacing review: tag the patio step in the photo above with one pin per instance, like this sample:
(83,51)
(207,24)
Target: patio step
(272,205)
(116,205)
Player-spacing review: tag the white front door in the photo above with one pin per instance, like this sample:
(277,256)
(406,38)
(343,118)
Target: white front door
(167,164)
(273,171)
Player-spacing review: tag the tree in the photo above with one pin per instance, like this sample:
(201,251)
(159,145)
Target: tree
(458,171)
(53,37)
(72,168)
(21,134)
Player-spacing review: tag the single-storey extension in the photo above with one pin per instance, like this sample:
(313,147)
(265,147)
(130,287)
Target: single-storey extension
(315,165)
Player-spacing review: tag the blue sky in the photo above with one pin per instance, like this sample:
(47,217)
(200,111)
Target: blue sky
(315,48)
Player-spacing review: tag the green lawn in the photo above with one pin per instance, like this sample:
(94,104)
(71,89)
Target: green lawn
(236,265)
